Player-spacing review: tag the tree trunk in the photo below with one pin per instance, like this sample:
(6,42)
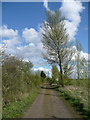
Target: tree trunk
(78,73)
(61,74)
(78,78)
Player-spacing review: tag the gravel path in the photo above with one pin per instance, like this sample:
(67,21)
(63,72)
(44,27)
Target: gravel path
(49,105)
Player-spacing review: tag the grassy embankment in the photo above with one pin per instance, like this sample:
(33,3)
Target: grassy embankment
(77,96)
(18,108)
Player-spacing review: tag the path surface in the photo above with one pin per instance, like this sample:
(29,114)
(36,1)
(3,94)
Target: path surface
(49,105)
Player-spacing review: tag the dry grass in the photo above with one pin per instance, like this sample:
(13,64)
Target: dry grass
(78,92)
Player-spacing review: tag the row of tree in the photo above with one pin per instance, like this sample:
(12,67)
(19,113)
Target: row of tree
(60,50)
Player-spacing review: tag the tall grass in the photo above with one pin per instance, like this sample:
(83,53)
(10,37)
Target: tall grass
(77,95)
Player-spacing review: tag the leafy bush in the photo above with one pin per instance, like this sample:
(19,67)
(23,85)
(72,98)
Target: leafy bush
(17,79)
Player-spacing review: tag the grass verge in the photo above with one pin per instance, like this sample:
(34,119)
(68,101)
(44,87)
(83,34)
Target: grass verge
(75,102)
(17,109)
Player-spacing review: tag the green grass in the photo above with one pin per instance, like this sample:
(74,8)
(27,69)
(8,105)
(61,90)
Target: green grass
(75,101)
(79,92)
(17,109)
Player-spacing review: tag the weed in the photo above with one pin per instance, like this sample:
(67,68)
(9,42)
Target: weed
(17,109)
(75,102)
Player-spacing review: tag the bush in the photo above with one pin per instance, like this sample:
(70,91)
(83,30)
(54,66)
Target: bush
(17,79)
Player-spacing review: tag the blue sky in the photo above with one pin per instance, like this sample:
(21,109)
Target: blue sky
(21,15)
(82,34)
(23,21)
(31,15)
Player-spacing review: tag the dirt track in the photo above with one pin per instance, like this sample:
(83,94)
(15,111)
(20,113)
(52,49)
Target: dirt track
(49,105)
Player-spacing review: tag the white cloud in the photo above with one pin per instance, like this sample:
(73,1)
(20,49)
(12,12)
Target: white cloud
(33,48)
(30,50)
(31,35)
(45,3)
(9,43)
(10,39)
(46,70)
(71,9)
(71,29)
(5,32)
(33,38)
(85,55)
(81,53)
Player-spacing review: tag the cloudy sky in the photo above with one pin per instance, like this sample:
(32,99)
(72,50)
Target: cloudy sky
(21,33)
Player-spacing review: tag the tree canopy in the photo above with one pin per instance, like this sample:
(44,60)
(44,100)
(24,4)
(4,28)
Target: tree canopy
(55,41)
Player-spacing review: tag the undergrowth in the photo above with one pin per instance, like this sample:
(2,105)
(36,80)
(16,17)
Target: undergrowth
(75,102)
(17,109)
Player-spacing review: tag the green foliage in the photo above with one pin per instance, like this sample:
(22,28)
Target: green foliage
(75,101)
(17,109)
(49,80)
(55,74)
(55,41)
(43,75)
(17,79)
(83,83)
(67,81)
(81,64)
(19,85)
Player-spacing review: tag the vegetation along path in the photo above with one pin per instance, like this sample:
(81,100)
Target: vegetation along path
(49,105)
